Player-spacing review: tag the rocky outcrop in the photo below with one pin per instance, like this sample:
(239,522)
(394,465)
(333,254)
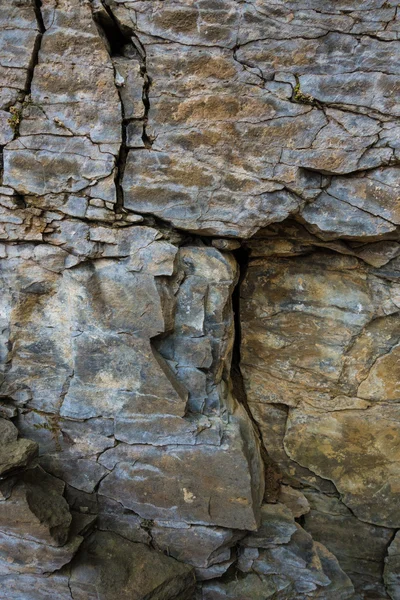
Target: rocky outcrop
(199,251)
(319,340)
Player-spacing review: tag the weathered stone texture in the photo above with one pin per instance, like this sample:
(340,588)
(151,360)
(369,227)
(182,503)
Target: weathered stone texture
(199,309)
(320,335)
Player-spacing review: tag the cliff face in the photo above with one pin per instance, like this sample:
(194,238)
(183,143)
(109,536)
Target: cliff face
(200,296)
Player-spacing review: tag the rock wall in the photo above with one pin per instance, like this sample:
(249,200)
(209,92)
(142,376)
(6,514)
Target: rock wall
(200,300)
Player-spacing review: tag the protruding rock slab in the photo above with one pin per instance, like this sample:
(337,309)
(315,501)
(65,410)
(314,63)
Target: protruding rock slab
(281,561)
(35,509)
(359,547)
(109,567)
(114,568)
(281,551)
(320,336)
(203,484)
(14,452)
(36,524)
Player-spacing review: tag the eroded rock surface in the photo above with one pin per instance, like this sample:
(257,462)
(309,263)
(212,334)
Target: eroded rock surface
(200,331)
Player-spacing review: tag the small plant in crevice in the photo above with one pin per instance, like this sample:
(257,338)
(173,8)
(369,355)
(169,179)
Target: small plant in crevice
(15,118)
(147,524)
(301,97)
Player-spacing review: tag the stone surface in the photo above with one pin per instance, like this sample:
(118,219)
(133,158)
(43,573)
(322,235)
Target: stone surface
(14,452)
(319,363)
(36,499)
(208,487)
(368,478)
(281,551)
(245,108)
(392,569)
(359,547)
(295,500)
(135,573)
(281,560)
(199,308)
(195,544)
(37,531)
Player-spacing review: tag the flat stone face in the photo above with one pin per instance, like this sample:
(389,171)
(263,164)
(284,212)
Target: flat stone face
(74,164)
(198,545)
(72,110)
(195,484)
(140,421)
(359,205)
(37,587)
(138,573)
(319,343)
(358,452)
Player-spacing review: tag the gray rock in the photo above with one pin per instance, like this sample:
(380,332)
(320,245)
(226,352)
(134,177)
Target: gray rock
(36,500)
(295,500)
(136,572)
(19,555)
(73,163)
(359,547)
(277,527)
(14,452)
(275,121)
(392,569)
(250,587)
(299,562)
(113,517)
(197,545)
(183,483)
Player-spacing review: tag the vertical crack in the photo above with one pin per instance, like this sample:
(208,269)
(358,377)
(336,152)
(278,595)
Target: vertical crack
(17,109)
(116,39)
(122,41)
(273,475)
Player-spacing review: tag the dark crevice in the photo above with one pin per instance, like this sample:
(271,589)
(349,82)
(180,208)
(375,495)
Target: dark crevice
(108,26)
(273,476)
(123,42)
(37,5)
(35,55)
(147,138)
(119,44)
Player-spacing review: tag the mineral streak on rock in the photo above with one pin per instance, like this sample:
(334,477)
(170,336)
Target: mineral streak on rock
(200,296)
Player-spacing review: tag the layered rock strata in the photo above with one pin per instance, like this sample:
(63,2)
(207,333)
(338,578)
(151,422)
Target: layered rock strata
(199,251)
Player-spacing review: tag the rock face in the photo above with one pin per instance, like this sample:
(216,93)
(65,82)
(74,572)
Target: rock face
(200,296)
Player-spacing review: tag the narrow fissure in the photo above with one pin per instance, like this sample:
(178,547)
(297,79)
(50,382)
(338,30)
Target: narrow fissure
(37,4)
(119,42)
(273,475)
(122,41)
